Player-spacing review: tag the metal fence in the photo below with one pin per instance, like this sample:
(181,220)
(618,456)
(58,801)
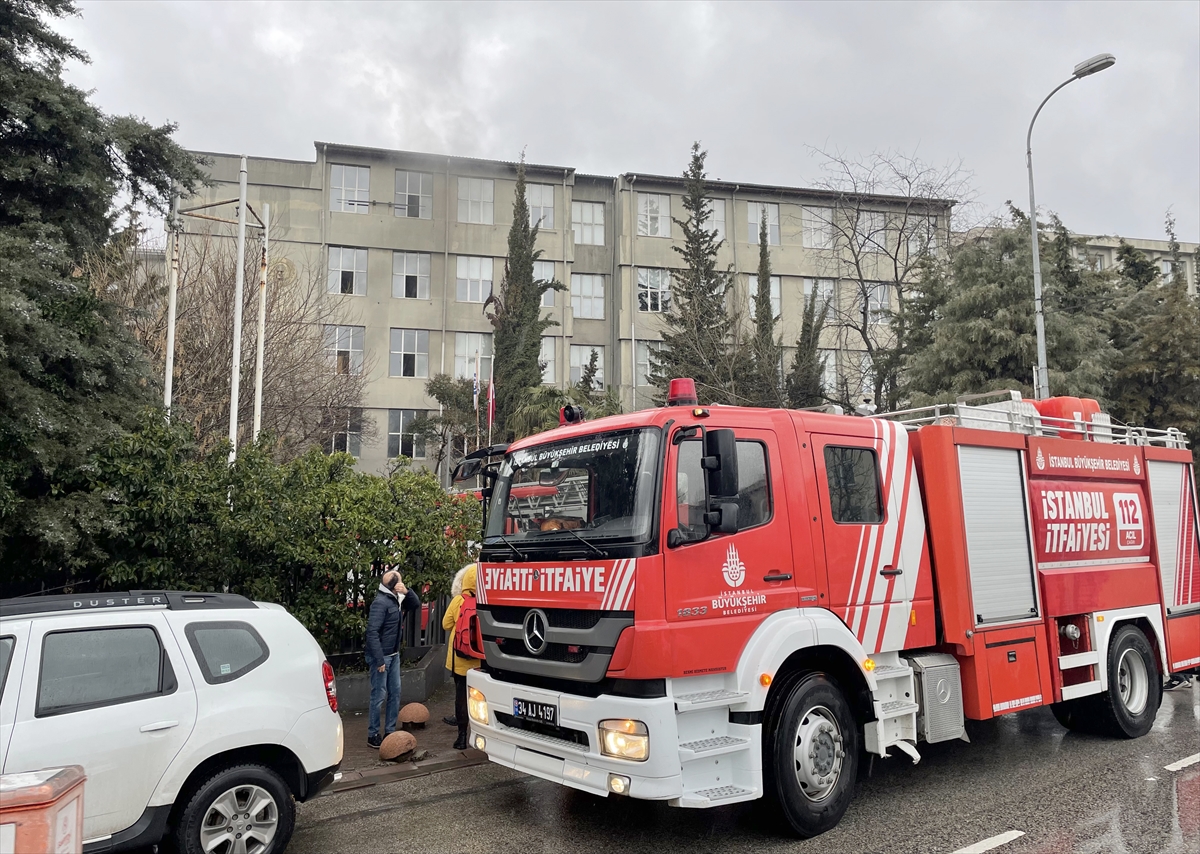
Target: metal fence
(417,639)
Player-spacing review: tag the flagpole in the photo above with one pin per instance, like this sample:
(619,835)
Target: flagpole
(477,399)
(491,398)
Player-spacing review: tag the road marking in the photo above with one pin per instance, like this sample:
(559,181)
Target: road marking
(991,842)
(1183,763)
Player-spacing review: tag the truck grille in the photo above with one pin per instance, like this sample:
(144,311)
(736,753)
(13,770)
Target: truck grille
(558,618)
(554,652)
(572,737)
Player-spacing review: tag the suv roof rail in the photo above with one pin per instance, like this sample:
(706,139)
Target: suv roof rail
(173,600)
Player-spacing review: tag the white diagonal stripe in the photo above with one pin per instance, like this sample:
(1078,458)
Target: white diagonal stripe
(991,842)
(1183,763)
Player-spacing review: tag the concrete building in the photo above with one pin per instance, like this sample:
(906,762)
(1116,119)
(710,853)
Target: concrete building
(1100,251)
(410,245)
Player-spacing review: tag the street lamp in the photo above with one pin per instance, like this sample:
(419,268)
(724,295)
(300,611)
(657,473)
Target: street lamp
(1041,385)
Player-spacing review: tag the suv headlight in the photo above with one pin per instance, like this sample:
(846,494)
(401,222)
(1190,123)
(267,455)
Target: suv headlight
(625,739)
(477,706)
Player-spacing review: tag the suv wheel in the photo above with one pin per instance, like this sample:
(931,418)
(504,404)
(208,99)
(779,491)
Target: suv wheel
(246,809)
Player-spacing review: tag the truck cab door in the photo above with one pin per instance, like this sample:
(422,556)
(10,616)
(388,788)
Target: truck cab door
(874,530)
(719,587)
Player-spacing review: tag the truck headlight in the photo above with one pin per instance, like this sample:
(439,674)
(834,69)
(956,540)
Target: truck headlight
(625,739)
(477,706)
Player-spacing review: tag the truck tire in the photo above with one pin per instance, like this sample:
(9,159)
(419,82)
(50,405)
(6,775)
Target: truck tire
(811,759)
(1128,708)
(245,809)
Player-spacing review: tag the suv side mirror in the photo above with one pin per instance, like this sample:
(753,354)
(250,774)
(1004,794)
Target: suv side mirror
(720,461)
(466,470)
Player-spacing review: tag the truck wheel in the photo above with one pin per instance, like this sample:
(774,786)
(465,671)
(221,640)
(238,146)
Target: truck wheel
(1077,715)
(812,758)
(246,809)
(1127,709)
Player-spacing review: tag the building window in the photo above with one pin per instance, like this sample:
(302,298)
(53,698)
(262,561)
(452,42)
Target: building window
(414,194)
(471,349)
(587,223)
(1168,268)
(347,270)
(347,432)
(476,198)
(402,442)
(922,236)
(715,223)
(410,275)
(1097,262)
(654,290)
(349,188)
(879,303)
(816,228)
(409,353)
(824,289)
(549,347)
(543,271)
(654,215)
(776,296)
(541,204)
(754,211)
(829,383)
(581,354)
(872,231)
(344,348)
(474,278)
(645,361)
(587,296)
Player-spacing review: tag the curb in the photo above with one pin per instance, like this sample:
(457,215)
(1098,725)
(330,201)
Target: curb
(406,771)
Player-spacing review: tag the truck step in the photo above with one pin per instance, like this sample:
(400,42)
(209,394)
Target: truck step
(892,671)
(709,699)
(715,746)
(897,708)
(716,796)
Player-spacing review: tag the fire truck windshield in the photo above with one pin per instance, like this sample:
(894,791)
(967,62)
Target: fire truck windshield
(597,487)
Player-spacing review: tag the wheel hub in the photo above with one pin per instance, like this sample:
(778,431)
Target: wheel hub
(819,753)
(1133,682)
(242,820)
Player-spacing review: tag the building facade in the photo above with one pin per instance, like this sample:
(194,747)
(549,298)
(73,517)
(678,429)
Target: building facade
(409,246)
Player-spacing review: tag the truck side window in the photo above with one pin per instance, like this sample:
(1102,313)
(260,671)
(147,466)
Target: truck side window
(853,485)
(754,492)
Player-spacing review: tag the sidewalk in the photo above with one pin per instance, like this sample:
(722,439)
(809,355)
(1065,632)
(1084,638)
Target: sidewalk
(361,765)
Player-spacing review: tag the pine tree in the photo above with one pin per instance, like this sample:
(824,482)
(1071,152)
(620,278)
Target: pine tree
(764,387)
(515,314)
(698,339)
(805,381)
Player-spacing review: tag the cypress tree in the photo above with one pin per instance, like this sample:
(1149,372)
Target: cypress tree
(766,354)
(515,314)
(805,381)
(698,335)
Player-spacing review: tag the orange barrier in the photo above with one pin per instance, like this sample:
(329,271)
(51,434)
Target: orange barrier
(41,812)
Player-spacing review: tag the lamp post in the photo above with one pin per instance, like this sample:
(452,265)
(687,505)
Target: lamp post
(1041,386)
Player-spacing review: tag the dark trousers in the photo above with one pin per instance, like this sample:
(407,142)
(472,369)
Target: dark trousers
(460,705)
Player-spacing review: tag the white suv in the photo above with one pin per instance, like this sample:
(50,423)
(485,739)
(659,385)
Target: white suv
(201,716)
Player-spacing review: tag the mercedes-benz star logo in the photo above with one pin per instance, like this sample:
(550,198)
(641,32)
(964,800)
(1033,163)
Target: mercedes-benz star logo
(535,631)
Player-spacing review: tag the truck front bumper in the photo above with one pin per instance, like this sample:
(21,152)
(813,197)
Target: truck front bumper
(560,755)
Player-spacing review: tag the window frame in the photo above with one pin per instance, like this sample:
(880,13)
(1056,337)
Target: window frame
(424,202)
(766,451)
(600,378)
(543,221)
(658,218)
(776,287)
(774,235)
(356,206)
(652,346)
(354,271)
(190,632)
(593,300)
(332,350)
(662,290)
(168,683)
(417,414)
(485,361)
(579,228)
(809,214)
(550,364)
(879,496)
(353,437)
(486,206)
(547,294)
(416,353)
(458,280)
(427,257)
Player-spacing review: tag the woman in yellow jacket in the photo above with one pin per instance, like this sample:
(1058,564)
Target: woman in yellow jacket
(458,665)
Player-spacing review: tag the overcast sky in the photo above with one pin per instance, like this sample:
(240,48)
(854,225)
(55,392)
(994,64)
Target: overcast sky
(609,88)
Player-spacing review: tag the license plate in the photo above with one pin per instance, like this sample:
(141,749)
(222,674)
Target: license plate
(542,713)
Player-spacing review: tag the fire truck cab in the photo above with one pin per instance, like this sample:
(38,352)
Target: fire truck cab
(710,604)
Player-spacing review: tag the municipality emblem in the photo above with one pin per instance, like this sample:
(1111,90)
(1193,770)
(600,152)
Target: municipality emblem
(733,569)
(1040,460)
(1137,466)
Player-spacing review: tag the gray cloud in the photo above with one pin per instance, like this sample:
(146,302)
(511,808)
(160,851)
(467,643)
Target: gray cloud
(627,87)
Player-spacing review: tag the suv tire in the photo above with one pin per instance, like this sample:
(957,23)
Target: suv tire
(245,809)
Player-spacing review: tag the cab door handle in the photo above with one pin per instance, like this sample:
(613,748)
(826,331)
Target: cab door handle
(778,576)
(161,725)
(890,571)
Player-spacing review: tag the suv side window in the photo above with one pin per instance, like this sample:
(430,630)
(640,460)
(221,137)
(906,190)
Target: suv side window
(854,496)
(86,668)
(754,488)
(6,650)
(226,650)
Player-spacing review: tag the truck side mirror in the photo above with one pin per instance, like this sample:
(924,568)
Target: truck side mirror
(466,470)
(720,461)
(724,519)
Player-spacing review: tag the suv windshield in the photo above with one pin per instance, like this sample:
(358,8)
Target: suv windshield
(599,487)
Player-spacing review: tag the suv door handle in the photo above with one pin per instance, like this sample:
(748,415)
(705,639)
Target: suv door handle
(778,576)
(161,725)
(890,571)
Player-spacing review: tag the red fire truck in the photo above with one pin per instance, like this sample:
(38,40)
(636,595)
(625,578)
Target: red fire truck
(708,604)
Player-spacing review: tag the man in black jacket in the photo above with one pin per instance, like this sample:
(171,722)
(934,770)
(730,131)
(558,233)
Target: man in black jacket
(383,651)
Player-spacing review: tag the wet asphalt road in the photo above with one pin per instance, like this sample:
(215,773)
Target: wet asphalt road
(1023,772)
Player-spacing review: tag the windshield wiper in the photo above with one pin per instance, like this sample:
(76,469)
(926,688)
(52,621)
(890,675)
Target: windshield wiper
(516,550)
(599,552)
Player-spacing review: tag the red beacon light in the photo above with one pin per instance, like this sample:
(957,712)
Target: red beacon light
(682,392)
